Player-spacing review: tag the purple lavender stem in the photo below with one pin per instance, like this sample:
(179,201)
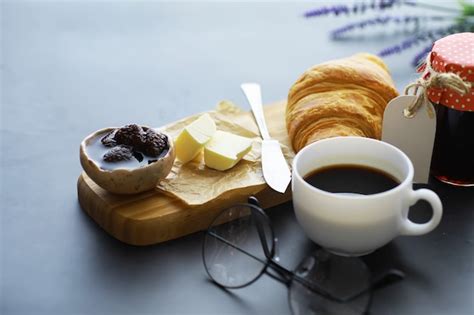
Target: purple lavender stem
(356,8)
(421,56)
(377,5)
(337,33)
(336,10)
(400,47)
(421,37)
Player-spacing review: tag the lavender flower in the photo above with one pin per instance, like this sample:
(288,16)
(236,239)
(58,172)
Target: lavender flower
(406,44)
(463,20)
(339,32)
(356,8)
(431,35)
(375,5)
(421,56)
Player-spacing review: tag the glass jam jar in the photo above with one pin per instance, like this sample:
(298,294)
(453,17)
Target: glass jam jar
(453,153)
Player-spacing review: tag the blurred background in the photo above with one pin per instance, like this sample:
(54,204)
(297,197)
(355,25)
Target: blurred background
(156,61)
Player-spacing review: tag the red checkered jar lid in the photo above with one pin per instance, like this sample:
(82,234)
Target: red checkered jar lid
(455,54)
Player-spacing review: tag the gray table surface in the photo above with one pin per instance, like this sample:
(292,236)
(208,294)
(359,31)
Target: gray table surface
(69,68)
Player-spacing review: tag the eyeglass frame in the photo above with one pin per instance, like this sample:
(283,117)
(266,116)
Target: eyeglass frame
(286,276)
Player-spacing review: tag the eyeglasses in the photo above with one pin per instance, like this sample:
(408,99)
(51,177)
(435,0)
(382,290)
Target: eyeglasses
(239,246)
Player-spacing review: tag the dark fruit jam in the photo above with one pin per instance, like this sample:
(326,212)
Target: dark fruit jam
(128,147)
(453,152)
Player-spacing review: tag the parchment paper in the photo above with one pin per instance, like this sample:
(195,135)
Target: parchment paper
(196,184)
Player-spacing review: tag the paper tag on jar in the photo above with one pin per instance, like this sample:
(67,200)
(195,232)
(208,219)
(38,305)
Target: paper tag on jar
(414,136)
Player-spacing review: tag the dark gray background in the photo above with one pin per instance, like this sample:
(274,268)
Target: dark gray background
(69,68)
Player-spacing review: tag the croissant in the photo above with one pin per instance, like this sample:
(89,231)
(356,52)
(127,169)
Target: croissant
(344,97)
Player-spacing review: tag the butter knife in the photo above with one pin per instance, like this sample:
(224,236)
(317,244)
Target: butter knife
(274,166)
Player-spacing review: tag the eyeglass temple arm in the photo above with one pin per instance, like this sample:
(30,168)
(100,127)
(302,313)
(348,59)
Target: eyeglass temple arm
(261,233)
(284,275)
(223,240)
(382,280)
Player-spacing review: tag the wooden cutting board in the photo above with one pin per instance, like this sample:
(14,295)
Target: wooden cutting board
(153,217)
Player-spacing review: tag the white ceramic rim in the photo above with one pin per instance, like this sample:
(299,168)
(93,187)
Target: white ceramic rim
(406,181)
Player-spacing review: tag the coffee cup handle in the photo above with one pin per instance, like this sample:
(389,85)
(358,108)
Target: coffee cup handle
(411,228)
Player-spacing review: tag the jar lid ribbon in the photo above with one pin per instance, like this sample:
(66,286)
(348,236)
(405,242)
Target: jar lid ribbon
(429,79)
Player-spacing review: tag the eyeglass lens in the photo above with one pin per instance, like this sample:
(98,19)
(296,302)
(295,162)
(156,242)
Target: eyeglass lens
(232,251)
(342,277)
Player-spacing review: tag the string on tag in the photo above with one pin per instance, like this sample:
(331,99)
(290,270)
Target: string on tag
(433,79)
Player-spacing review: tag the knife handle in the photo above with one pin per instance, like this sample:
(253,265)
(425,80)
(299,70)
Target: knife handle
(254,97)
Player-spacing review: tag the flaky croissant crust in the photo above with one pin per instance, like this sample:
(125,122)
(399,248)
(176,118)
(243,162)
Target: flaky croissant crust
(344,97)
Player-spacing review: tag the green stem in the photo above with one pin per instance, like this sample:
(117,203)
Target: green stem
(468,9)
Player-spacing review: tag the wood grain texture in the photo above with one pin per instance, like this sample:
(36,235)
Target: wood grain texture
(152,217)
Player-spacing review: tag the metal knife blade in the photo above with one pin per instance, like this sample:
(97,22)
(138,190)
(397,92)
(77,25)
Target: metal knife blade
(275,169)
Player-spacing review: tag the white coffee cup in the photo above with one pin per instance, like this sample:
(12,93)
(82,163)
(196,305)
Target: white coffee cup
(353,224)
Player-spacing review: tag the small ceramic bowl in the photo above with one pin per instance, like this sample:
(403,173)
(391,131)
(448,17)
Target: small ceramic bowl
(121,180)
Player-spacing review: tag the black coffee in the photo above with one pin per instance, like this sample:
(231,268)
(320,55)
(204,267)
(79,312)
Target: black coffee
(347,178)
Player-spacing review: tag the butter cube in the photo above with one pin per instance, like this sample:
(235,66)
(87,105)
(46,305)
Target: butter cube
(225,150)
(193,138)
